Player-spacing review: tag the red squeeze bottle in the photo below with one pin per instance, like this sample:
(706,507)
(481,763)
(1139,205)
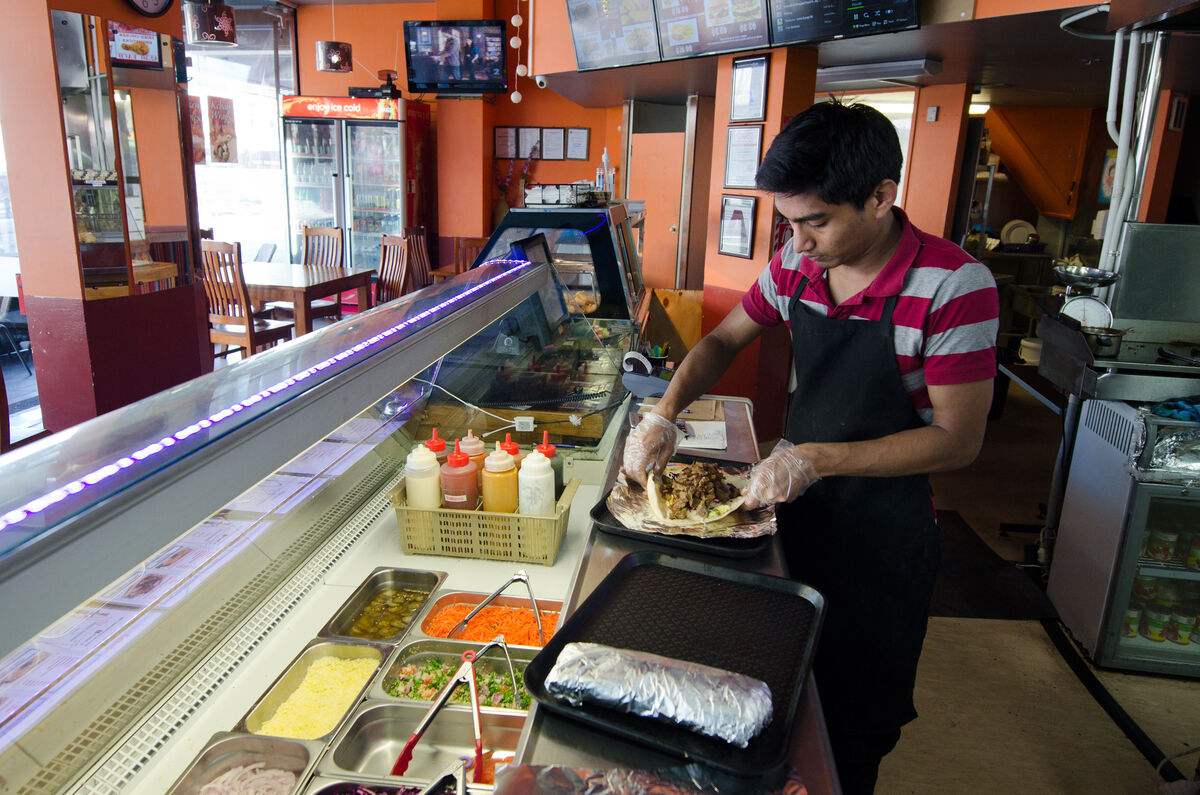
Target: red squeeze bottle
(437,447)
(460,481)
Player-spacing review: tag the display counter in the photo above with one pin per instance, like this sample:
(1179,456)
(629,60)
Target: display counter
(172,559)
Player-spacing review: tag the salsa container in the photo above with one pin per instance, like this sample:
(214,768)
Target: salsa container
(756,625)
(419,652)
(379,580)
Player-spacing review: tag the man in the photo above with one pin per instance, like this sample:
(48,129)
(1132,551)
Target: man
(452,57)
(893,333)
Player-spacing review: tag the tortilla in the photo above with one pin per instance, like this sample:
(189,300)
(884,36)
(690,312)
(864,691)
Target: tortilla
(659,508)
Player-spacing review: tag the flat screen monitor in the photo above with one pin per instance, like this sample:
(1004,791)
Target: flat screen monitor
(133,47)
(464,57)
(613,32)
(797,21)
(688,28)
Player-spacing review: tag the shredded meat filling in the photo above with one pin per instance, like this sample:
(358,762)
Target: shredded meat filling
(695,490)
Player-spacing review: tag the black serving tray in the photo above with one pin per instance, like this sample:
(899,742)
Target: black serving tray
(763,627)
(724,547)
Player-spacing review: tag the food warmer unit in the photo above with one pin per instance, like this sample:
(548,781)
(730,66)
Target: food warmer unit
(162,562)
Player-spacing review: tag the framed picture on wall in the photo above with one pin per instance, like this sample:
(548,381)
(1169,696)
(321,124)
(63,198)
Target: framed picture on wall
(506,143)
(737,226)
(577,143)
(553,143)
(748,89)
(529,142)
(743,147)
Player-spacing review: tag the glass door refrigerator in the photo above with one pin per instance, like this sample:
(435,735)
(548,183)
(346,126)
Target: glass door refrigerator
(345,167)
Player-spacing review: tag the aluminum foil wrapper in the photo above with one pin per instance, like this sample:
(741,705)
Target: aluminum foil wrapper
(690,780)
(1179,451)
(722,704)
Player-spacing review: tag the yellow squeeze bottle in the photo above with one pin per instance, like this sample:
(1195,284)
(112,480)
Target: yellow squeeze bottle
(499,482)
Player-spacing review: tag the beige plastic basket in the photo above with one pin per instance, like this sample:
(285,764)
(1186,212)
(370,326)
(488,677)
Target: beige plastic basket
(482,534)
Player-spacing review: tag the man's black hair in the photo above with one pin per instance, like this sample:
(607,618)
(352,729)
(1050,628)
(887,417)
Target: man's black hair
(837,152)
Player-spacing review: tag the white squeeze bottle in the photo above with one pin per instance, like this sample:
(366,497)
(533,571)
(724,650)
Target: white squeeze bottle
(535,486)
(422,481)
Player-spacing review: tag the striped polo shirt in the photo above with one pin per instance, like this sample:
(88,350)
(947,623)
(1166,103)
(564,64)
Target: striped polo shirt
(946,314)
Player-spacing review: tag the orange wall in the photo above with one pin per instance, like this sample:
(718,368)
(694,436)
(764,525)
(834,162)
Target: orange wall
(553,47)
(160,161)
(1001,8)
(934,157)
(1164,158)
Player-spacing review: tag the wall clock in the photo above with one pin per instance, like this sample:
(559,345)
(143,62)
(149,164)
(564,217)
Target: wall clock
(151,8)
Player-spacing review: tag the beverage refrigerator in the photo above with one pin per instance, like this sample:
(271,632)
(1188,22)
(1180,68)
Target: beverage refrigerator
(347,164)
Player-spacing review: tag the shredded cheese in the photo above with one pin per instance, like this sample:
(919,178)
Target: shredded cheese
(326,692)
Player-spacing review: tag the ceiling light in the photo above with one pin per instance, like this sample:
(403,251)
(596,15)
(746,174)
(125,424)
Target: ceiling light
(978,109)
(883,71)
(334,56)
(209,22)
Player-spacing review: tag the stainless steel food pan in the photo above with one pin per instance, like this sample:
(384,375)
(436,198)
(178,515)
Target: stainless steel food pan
(379,580)
(323,785)
(228,750)
(419,652)
(370,741)
(293,675)
(444,598)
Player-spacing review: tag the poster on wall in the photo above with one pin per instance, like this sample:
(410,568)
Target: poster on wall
(133,47)
(221,132)
(196,114)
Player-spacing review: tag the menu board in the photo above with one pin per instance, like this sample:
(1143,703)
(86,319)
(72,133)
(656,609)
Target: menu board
(700,27)
(133,46)
(797,21)
(613,32)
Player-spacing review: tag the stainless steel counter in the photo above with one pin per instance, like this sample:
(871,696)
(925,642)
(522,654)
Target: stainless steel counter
(552,740)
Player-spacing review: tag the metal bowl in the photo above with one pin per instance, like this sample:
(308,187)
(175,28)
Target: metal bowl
(1105,343)
(1082,276)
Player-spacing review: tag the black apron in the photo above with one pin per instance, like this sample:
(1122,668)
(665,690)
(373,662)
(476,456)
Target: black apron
(869,545)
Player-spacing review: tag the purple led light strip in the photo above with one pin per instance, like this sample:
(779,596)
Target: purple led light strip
(39,504)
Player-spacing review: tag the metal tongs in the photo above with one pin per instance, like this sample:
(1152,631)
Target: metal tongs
(520,576)
(457,771)
(465,673)
(1171,355)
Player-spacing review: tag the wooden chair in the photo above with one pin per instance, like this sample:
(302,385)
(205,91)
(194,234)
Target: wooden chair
(467,250)
(322,253)
(394,278)
(417,257)
(230,317)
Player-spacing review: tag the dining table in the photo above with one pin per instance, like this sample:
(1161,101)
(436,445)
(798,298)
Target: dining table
(301,285)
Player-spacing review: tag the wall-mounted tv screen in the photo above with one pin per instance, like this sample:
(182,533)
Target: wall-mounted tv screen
(688,28)
(613,32)
(795,21)
(133,47)
(456,57)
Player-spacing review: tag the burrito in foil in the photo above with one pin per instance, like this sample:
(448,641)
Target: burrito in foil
(711,701)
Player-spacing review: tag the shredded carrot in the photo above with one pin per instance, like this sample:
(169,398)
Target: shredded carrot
(516,624)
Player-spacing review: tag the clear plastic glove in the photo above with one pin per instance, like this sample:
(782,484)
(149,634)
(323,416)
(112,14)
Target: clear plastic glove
(649,446)
(780,477)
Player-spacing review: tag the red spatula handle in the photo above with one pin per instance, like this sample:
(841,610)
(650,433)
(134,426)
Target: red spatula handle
(401,766)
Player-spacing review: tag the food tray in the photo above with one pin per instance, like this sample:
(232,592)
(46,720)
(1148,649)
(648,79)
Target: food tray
(484,534)
(418,652)
(228,750)
(374,736)
(293,675)
(384,577)
(760,626)
(467,597)
(724,547)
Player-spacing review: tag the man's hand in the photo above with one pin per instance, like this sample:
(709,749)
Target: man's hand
(780,477)
(649,446)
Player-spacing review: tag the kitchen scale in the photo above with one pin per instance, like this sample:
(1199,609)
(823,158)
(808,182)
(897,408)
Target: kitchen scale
(1087,310)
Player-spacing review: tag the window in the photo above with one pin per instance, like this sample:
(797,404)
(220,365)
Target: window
(236,129)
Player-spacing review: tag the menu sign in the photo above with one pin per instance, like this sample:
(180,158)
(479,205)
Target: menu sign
(613,32)
(132,46)
(821,20)
(222,134)
(699,27)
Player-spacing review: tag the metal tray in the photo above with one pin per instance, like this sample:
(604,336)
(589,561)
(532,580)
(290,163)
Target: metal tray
(367,746)
(760,626)
(293,675)
(321,785)
(383,577)
(466,597)
(418,652)
(227,750)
